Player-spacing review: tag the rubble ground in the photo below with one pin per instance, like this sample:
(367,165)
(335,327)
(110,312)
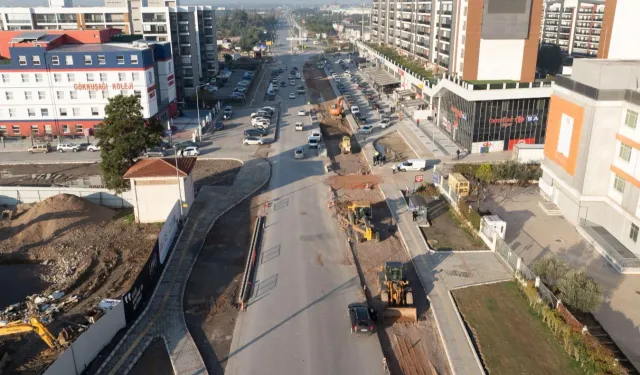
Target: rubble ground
(394,147)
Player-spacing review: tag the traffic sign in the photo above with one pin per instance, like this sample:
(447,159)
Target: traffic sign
(418,178)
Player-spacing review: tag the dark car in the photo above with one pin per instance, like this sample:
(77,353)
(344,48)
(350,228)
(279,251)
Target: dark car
(255,132)
(283,84)
(361,118)
(219,125)
(226,116)
(362,318)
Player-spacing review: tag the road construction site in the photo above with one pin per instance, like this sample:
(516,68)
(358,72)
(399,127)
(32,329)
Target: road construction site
(412,348)
(62,257)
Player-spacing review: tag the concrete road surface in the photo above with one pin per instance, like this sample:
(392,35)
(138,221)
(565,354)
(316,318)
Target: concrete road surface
(297,321)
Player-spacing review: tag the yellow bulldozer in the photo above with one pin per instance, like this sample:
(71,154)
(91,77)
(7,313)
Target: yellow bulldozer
(33,324)
(359,217)
(396,294)
(345,144)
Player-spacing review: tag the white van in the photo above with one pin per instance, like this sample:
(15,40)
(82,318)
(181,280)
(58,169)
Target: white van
(298,75)
(412,165)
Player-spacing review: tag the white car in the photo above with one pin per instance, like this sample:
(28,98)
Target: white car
(191,151)
(313,142)
(241,89)
(298,153)
(263,124)
(244,83)
(366,129)
(302,112)
(299,126)
(292,95)
(267,108)
(385,122)
(412,165)
(292,83)
(252,141)
(316,134)
(334,75)
(355,110)
(93,148)
(256,120)
(62,147)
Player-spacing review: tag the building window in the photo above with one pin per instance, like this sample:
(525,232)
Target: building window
(625,152)
(137,94)
(89,77)
(103,77)
(120,59)
(60,95)
(3,130)
(566,131)
(71,77)
(22,60)
(57,77)
(35,60)
(44,112)
(135,77)
(633,233)
(68,60)
(25,78)
(55,60)
(47,129)
(618,184)
(63,112)
(78,128)
(101,60)
(76,112)
(6,78)
(87,60)
(122,76)
(631,119)
(28,95)
(38,77)
(73,94)
(15,129)
(42,95)
(34,129)
(12,112)
(31,112)
(65,128)
(92,95)
(134,59)
(105,94)
(95,111)
(8,95)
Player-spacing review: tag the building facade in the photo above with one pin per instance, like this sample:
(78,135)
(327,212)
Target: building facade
(58,82)
(591,169)
(476,39)
(574,25)
(191,30)
(620,28)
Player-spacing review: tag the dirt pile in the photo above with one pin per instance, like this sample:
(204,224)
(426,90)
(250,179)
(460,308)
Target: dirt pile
(55,216)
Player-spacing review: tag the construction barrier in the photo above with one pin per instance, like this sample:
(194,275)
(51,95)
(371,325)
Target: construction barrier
(249,268)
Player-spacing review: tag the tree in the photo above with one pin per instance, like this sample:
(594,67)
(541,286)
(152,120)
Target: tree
(549,58)
(483,177)
(550,269)
(228,59)
(123,136)
(580,292)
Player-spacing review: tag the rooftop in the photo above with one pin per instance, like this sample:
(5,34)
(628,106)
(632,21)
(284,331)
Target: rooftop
(105,47)
(148,168)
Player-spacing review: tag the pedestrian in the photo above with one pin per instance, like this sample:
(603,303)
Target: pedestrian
(414,214)
(387,96)
(458,153)
(417,122)
(383,160)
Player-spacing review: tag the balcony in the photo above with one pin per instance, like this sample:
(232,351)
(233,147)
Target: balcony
(445,12)
(67,18)
(444,38)
(46,18)
(551,22)
(154,29)
(424,10)
(564,30)
(94,18)
(424,22)
(445,26)
(154,17)
(114,17)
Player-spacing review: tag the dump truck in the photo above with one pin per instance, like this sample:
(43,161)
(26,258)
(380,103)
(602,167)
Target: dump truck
(336,109)
(345,145)
(396,294)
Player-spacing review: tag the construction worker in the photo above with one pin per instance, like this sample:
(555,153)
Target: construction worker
(414,214)
(376,158)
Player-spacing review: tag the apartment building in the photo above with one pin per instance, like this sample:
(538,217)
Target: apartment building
(591,170)
(620,30)
(58,82)
(191,30)
(574,25)
(474,39)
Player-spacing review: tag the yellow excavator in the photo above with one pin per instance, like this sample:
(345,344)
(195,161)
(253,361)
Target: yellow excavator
(396,294)
(359,215)
(33,324)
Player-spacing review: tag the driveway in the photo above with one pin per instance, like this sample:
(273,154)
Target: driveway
(533,234)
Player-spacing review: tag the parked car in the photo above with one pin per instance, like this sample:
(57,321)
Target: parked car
(292,95)
(268,109)
(252,141)
(154,153)
(298,153)
(219,125)
(244,83)
(313,142)
(93,148)
(302,112)
(355,110)
(283,84)
(292,83)
(412,165)
(362,119)
(360,318)
(191,151)
(366,129)
(385,122)
(228,109)
(316,134)
(63,147)
(256,132)
(274,80)
(39,148)
(185,144)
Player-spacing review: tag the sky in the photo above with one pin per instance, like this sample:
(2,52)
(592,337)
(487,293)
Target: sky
(235,3)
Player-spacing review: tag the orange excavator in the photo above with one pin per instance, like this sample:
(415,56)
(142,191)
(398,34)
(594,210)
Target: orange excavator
(336,109)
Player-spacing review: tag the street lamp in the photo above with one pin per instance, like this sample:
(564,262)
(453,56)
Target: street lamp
(175,157)
(198,110)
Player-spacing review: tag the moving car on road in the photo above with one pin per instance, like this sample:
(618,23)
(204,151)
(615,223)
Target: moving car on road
(292,95)
(302,112)
(298,153)
(191,151)
(360,318)
(292,83)
(41,148)
(93,148)
(256,132)
(283,84)
(299,126)
(316,134)
(252,141)
(62,147)
(366,129)
(313,142)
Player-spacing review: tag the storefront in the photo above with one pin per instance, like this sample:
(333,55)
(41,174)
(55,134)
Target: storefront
(493,125)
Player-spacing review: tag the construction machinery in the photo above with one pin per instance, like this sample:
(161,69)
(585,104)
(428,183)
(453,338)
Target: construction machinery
(396,294)
(336,109)
(359,217)
(33,324)
(345,144)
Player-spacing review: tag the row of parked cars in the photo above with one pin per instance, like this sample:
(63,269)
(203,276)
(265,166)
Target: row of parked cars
(261,120)
(43,148)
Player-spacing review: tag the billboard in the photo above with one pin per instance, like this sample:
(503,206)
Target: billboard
(521,141)
(487,147)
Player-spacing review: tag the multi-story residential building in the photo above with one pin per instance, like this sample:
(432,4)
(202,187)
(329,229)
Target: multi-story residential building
(591,169)
(574,25)
(58,82)
(620,30)
(191,30)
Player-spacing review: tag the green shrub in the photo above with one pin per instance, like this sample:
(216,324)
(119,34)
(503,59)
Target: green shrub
(579,291)
(467,170)
(392,55)
(550,269)
(428,190)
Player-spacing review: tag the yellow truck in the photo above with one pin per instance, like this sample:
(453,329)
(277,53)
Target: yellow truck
(345,145)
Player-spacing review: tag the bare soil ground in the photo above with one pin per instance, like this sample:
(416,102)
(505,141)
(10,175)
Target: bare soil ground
(215,172)
(45,174)
(394,148)
(211,292)
(320,89)
(154,360)
(446,233)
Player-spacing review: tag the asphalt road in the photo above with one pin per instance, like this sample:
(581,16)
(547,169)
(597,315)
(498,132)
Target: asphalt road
(297,321)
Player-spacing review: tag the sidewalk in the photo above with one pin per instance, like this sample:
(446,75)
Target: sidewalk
(164,316)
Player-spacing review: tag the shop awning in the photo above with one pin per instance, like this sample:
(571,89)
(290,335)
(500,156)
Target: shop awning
(403,93)
(382,78)
(414,103)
